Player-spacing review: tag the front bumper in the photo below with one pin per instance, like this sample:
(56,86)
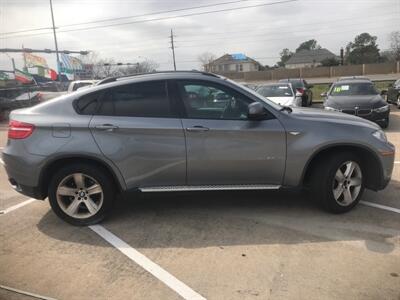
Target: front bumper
(380,118)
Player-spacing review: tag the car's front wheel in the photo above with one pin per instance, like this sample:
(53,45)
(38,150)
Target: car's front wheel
(338,183)
(81,194)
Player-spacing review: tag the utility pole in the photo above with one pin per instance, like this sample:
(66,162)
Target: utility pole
(55,42)
(173,49)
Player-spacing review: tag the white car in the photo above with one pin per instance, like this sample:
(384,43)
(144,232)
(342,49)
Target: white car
(280,93)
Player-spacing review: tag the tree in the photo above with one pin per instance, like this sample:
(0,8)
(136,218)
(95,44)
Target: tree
(285,55)
(329,62)
(395,44)
(205,59)
(363,50)
(308,45)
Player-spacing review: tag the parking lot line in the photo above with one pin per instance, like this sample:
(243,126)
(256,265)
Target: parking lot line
(25,293)
(392,209)
(397,162)
(1,161)
(7,210)
(151,267)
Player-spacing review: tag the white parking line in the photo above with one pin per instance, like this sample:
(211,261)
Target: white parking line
(10,209)
(1,161)
(151,267)
(384,207)
(25,293)
(397,162)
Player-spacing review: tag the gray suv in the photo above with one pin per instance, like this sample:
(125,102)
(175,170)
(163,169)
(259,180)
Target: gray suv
(168,131)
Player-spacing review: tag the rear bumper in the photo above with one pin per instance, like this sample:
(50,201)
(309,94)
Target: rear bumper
(23,173)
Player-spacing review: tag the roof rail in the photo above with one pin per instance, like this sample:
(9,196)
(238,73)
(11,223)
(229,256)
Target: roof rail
(115,78)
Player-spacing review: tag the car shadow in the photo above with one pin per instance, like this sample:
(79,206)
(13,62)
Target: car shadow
(219,219)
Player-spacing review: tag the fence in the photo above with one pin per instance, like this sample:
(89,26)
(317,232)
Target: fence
(336,71)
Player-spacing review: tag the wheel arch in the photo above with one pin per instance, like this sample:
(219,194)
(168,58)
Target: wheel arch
(370,163)
(57,162)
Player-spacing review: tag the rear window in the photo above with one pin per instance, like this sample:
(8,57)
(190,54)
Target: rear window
(282,90)
(353,89)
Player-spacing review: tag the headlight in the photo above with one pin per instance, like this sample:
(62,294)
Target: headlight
(331,108)
(380,135)
(381,109)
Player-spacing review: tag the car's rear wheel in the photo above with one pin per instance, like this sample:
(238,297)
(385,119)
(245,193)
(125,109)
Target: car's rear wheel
(81,194)
(338,183)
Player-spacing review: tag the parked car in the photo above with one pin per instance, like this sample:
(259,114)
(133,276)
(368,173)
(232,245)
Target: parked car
(301,86)
(359,98)
(145,133)
(393,94)
(72,87)
(281,93)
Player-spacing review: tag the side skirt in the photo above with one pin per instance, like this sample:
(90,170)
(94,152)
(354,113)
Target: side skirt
(188,188)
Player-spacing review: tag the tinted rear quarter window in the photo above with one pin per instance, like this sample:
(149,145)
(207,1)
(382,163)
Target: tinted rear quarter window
(87,104)
(142,99)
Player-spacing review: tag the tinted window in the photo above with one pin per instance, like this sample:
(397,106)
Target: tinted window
(78,85)
(210,101)
(353,89)
(144,99)
(279,90)
(87,105)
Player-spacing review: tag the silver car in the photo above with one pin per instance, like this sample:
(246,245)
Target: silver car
(164,132)
(281,93)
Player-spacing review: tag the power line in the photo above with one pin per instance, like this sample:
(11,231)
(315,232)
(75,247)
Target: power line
(129,17)
(169,17)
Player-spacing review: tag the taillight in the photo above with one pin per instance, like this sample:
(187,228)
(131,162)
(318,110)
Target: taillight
(19,130)
(300,90)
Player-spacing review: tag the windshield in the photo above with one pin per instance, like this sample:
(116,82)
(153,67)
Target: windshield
(353,89)
(279,90)
(269,102)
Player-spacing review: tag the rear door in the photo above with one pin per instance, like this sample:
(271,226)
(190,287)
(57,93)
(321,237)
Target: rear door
(224,147)
(137,128)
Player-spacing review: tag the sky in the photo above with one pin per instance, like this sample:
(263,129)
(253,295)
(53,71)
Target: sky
(259,32)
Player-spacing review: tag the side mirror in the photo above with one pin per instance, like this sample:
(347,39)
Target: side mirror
(256,111)
(384,92)
(324,95)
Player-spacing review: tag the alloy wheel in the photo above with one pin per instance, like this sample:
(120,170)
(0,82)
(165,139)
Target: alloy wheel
(79,195)
(347,183)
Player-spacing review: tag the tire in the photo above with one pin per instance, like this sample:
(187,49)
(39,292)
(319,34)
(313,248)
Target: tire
(385,124)
(93,197)
(324,183)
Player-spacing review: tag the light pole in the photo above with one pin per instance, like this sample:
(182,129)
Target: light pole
(55,42)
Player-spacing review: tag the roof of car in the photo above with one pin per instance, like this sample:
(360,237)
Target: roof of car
(350,81)
(348,78)
(158,75)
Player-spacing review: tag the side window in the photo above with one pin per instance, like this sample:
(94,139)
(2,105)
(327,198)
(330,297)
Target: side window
(87,104)
(204,100)
(142,99)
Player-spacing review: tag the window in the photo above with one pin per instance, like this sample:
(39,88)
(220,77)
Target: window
(353,89)
(87,104)
(203,100)
(144,99)
(276,90)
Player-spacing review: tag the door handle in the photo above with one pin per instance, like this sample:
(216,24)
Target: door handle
(197,128)
(106,127)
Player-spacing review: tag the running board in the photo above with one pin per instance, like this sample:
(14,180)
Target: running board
(190,188)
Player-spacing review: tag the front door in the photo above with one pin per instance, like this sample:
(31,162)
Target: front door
(224,147)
